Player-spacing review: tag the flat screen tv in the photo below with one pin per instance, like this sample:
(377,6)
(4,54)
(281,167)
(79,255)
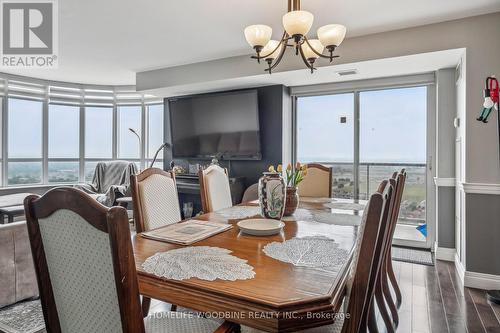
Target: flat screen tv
(223,124)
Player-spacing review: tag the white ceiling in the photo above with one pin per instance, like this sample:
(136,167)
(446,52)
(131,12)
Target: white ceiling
(106,42)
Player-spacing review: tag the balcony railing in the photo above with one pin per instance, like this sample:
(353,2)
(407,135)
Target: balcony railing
(347,185)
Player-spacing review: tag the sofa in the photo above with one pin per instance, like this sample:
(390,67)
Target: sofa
(17,272)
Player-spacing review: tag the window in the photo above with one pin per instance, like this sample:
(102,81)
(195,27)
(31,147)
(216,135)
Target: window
(58,133)
(24,141)
(129,117)
(64,143)
(99,132)
(155,133)
(325,132)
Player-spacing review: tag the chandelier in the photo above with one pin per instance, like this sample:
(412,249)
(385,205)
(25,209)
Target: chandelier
(297,24)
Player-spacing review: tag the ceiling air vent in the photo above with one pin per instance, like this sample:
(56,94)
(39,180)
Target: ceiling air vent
(347,72)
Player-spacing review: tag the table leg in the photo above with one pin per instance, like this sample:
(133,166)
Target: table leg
(2,218)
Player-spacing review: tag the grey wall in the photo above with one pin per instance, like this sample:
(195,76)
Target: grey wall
(446,217)
(483,233)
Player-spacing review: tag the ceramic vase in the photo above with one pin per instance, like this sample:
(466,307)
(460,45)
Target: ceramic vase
(272,195)
(292,200)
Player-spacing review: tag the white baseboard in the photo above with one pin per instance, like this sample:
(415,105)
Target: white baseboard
(445,253)
(476,280)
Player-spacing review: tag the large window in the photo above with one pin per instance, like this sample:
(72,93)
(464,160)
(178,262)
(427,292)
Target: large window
(129,118)
(325,131)
(365,136)
(24,141)
(64,144)
(56,134)
(155,133)
(99,132)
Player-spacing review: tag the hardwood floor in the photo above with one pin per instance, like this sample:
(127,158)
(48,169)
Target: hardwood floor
(433,302)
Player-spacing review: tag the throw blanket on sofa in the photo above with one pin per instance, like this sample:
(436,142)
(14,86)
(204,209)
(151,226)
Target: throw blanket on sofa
(111,181)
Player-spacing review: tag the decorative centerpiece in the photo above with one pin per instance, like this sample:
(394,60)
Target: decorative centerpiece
(294,175)
(272,194)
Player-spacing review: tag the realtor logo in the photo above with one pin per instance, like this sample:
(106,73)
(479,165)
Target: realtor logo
(29,33)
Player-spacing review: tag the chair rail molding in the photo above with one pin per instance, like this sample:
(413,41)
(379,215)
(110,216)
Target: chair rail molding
(444,182)
(480,188)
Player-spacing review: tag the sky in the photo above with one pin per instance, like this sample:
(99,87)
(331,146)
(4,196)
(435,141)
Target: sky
(392,127)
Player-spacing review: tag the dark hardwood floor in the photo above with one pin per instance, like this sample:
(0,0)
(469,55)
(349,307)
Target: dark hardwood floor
(433,302)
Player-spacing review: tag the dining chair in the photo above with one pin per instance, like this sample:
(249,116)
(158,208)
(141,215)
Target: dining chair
(214,189)
(155,199)
(317,182)
(251,193)
(86,270)
(156,204)
(365,265)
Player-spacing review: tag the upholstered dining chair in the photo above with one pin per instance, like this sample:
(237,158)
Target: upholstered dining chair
(155,199)
(156,204)
(214,189)
(317,182)
(86,271)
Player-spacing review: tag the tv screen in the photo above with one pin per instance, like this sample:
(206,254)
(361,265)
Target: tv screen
(224,124)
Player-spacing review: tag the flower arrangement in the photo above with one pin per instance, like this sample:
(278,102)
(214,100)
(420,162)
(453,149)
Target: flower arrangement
(294,173)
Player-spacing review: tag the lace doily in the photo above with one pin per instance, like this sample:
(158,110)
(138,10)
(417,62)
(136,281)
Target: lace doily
(315,199)
(238,212)
(345,205)
(317,252)
(202,262)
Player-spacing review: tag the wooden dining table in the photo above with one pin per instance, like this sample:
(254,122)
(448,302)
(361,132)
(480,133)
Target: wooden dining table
(281,297)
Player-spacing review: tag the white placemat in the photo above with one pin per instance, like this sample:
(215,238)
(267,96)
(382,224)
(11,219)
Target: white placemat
(315,199)
(238,212)
(345,205)
(202,262)
(316,252)
(300,214)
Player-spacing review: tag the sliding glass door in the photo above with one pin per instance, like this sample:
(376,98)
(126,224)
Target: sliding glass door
(365,136)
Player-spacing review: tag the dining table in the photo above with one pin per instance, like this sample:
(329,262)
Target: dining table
(281,297)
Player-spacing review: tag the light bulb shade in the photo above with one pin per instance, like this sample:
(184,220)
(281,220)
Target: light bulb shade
(331,34)
(267,51)
(298,22)
(316,44)
(258,34)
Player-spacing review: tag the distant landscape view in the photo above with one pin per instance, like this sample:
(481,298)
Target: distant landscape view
(370,176)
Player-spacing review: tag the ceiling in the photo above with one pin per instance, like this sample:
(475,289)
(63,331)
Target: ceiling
(106,42)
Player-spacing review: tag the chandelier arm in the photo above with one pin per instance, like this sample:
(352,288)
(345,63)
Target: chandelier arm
(319,54)
(283,40)
(278,59)
(311,67)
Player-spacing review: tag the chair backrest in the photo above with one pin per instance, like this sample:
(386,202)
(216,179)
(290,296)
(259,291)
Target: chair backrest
(251,193)
(84,263)
(317,182)
(366,263)
(214,189)
(398,183)
(155,198)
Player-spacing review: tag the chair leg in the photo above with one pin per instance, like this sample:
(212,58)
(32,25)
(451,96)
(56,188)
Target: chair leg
(146,303)
(372,319)
(394,283)
(388,297)
(379,297)
(173,307)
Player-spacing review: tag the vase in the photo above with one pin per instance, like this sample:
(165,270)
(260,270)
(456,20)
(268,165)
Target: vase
(292,200)
(272,195)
